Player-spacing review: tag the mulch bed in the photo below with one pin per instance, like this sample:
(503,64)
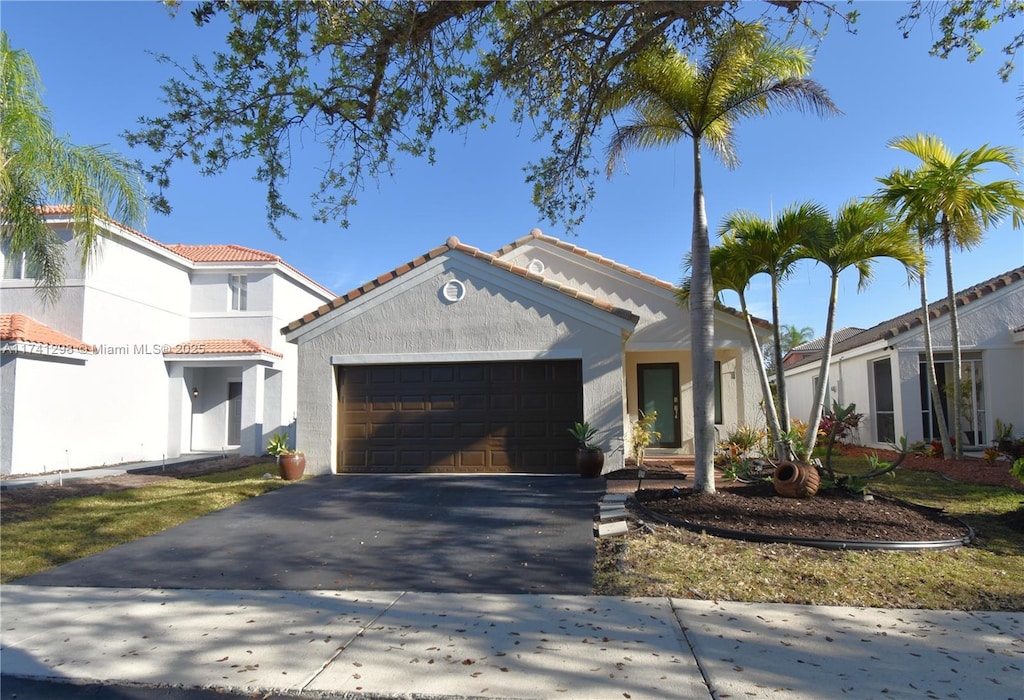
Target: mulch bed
(830,515)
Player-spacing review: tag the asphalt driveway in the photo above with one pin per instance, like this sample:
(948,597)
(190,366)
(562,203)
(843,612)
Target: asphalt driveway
(436,533)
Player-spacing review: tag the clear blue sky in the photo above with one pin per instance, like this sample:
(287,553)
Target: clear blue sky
(99,78)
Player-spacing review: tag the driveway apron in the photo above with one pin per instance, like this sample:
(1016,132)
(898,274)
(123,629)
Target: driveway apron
(434,533)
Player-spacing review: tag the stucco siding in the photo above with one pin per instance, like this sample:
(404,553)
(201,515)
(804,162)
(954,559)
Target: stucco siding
(501,316)
(49,432)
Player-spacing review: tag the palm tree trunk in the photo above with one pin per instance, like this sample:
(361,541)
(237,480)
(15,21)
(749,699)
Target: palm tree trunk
(781,448)
(954,336)
(826,359)
(702,338)
(929,356)
(771,415)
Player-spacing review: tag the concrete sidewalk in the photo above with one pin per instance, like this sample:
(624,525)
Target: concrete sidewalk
(381,644)
(58,477)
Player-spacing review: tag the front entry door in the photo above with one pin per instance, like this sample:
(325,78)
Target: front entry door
(234,413)
(658,390)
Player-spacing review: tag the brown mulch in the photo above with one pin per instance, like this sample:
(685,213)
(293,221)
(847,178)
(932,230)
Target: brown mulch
(20,499)
(830,515)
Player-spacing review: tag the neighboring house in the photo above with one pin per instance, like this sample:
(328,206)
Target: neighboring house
(882,369)
(466,361)
(813,348)
(153,351)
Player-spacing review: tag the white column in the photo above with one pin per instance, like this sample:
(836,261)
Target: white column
(179,411)
(252,442)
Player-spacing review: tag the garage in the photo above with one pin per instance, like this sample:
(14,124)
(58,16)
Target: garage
(459,417)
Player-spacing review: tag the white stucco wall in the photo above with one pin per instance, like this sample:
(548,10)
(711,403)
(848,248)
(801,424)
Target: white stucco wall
(502,316)
(986,327)
(48,432)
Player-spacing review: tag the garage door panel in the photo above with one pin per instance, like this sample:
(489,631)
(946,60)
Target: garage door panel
(413,403)
(442,402)
(503,416)
(502,402)
(383,376)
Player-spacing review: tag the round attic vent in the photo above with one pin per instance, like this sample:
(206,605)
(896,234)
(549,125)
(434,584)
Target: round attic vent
(535,266)
(453,291)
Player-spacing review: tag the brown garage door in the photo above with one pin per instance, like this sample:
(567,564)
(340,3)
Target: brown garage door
(465,417)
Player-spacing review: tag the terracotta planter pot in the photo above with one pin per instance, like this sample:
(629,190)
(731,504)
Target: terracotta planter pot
(291,466)
(796,479)
(590,461)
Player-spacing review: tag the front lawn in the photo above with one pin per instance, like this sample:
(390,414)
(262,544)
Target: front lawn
(49,535)
(988,575)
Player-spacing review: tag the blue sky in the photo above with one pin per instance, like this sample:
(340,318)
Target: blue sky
(99,78)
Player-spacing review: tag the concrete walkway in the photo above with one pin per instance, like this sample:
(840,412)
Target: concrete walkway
(445,645)
(58,477)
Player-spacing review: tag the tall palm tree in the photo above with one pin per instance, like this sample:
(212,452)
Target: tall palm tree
(861,232)
(925,228)
(37,167)
(774,248)
(945,189)
(732,271)
(742,74)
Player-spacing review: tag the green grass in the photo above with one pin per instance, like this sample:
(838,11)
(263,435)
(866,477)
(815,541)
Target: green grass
(73,528)
(988,575)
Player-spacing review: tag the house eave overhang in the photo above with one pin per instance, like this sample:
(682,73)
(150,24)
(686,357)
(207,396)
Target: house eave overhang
(624,274)
(223,359)
(22,348)
(457,255)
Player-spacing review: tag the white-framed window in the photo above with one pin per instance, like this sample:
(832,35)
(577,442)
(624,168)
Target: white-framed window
(17,266)
(239,285)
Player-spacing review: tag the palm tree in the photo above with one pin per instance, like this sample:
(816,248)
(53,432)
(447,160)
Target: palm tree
(860,233)
(37,167)
(774,248)
(732,271)
(944,189)
(742,74)
(889,196)
(792,336)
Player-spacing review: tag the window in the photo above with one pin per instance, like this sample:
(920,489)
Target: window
(885,407)
(22,266)
(17,266)
(972,412)
(239,292)
(718,393)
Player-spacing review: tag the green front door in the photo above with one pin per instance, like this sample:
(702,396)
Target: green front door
(658,390)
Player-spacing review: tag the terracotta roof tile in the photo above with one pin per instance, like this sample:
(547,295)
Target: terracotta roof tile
(221,346)
(537,235)
(222,253)
(453,244)
(21,328)
(200,253)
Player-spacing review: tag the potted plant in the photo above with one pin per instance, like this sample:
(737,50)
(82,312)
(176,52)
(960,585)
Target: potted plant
(589,457)
(291,463)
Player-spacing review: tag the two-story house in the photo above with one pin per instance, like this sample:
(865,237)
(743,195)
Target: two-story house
(152,351)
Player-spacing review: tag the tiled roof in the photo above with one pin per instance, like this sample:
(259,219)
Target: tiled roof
(68,210)
(538,235)
(221,346)
(818,343)
(222,253)
(912,319)
(453,244)
(21,328)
